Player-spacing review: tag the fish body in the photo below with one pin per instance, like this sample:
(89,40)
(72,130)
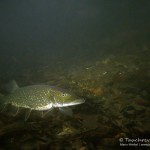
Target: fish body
(41,98)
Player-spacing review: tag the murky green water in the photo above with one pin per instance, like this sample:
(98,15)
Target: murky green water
(99,51)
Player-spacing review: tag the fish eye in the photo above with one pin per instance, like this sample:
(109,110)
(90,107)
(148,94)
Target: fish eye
(64,94)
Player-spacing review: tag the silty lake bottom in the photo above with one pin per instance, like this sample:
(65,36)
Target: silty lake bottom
(114,82)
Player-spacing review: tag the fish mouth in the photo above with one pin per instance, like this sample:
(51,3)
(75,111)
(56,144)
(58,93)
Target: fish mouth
(72,103)
(78,101)
(75,102)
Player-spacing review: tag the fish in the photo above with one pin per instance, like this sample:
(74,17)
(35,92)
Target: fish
(41,98)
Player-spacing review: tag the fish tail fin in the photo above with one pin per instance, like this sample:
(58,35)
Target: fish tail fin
(3,107)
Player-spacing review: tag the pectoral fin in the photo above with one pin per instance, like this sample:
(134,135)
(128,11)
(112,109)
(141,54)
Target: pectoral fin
(28,112)
(50,111)
(66,111)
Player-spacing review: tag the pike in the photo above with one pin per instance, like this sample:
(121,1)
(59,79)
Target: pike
(41,98)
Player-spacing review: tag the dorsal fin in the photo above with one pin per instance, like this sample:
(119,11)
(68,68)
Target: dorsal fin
(11,86)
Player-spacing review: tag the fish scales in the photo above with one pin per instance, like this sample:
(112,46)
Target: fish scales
(32,97)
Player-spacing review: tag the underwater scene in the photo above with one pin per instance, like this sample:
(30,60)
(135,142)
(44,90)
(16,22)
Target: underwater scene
(74,75)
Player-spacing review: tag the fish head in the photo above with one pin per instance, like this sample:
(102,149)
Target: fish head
(64,99)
